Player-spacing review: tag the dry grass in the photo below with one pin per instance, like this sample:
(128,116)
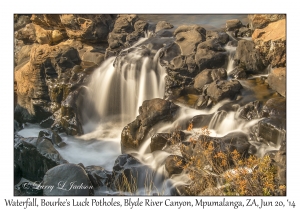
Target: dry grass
(229,173)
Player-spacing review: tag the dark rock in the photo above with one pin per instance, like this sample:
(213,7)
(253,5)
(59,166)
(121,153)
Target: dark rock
(68,180)
(277,80)
(150,113)
(233,141)
(52,135)
(233,24)
(17,173)
(129,174)
(251,110)
(248,58)
(29,189)
(158,141)
(222,37)
(244,32)
(200,121)
(209,59)
(17,126)
(272,130)
(209,75)
(99,176)
(174,164)
(35,156)
(219,90)
(238,73)
(211,44)
(274,107)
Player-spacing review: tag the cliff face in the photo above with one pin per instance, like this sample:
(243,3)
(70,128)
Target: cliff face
(53,54)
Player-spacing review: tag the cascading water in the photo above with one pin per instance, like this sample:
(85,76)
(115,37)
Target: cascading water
(231,52)
(122,83)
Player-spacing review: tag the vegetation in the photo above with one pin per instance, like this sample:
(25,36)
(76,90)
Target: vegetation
(230,173)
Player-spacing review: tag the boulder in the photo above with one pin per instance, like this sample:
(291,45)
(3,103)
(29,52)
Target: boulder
(209,59)
(274,107)
(53,136)
(250,111)
(207,76)
(98,176)
(248,58)
(233,24)
(67,180)
(151,113)
(35,156)
(277,80)
(163,25)
(17,173)
(158,141)
(188,37)
(222,37)
(129,174)
(174,164)
(220,90)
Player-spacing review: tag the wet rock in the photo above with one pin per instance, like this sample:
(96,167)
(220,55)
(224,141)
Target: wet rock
(129,174)
(238,73)
(174,164)
(251,110)
(219,90)
(272,130)
(233,24)
(200,121)
(233,141)
(271,43)
(150,113)
(188,37)
(158,141)
(163,25)
(53,136)
(274,107)
(209,75)
(28,189)
(99,176)
(35,156)
(17,173)
(259,21)
(68,180)
(248,58)
(277,80)
(244,32)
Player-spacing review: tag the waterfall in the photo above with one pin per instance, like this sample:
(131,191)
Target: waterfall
(121,84)
(231,53)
